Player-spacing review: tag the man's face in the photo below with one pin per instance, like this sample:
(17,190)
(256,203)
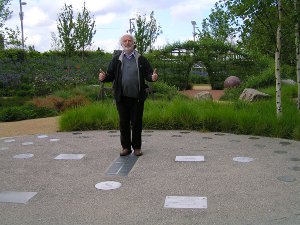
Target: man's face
(127,44)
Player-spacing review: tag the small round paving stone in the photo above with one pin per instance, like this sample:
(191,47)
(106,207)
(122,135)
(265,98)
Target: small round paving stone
(108,185)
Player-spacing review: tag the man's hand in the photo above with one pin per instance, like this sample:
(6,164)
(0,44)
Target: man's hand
(101,75)
(154,75)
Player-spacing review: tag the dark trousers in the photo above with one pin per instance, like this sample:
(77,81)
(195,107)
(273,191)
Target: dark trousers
(131,119)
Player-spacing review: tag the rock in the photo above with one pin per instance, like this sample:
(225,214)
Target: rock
(289,81)
(203,95)
(251,95)
(231,82)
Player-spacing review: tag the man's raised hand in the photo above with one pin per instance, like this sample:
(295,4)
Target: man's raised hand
(101,75)
(154,75)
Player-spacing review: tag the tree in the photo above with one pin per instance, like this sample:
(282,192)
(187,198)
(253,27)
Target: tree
(219,25)
(85,29)
(278,62)
(259,25)
(267,26)
(66,29)
(146,32)
(4,12)
(297,43)
(13,38)
(55,43)
(4,15)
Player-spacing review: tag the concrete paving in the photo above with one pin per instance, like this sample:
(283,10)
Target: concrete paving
(262,190)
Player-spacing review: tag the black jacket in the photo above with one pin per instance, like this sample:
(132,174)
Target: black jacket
(114,74)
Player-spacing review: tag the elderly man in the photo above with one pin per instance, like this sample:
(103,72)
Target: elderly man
(128,71)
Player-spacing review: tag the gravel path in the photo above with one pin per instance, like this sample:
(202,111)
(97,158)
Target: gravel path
(27,127)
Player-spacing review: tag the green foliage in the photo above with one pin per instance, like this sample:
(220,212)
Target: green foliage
(12,38)
(31,73)
(16,113)
(66,29)
(261,80)
(219,25)
(146,32)
(163,91)
(88,91)
(174,70)
(96,116)
(84,29)
(288,72)
(198,79)
(265,79)
(220,59)
(13,101)
(4,11)
(260,20)
(13,55)
(258,118)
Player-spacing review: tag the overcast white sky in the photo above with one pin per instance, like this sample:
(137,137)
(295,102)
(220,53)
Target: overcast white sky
(112,19)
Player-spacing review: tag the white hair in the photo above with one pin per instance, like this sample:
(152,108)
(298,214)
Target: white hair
(126,35)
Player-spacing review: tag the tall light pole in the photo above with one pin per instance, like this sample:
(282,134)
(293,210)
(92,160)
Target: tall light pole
(130,24)
(194,26)
(21,14)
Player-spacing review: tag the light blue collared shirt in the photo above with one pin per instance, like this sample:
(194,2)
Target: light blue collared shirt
(129,56)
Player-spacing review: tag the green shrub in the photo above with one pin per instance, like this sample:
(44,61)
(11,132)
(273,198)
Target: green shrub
(16,113)
(172,70)
(163,90)
(264,79)
(102,115)
(13,101)
(288,72)
(42,74)
(257,118)
(89,91)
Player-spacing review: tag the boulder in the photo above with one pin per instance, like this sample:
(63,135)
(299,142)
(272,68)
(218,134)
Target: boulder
(203,95)
(231,82)
(289,81)
(251,95)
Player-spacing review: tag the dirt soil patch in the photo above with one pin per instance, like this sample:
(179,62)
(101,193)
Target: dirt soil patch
(28,127)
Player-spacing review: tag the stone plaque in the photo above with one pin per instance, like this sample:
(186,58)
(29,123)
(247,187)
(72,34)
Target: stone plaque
(70,156)
(185,202)
(23,156)
(16,197)
(54,139)
(9,140)
(122,165)
(27,143)
(198,158)
(243,159)
(42,136)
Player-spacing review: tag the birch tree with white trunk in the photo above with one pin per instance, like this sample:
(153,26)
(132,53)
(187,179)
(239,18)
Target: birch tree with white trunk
(277,61)
(297,43)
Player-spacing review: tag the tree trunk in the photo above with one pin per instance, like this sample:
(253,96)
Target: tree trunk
(82,54)
(277,62)
(297,43)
